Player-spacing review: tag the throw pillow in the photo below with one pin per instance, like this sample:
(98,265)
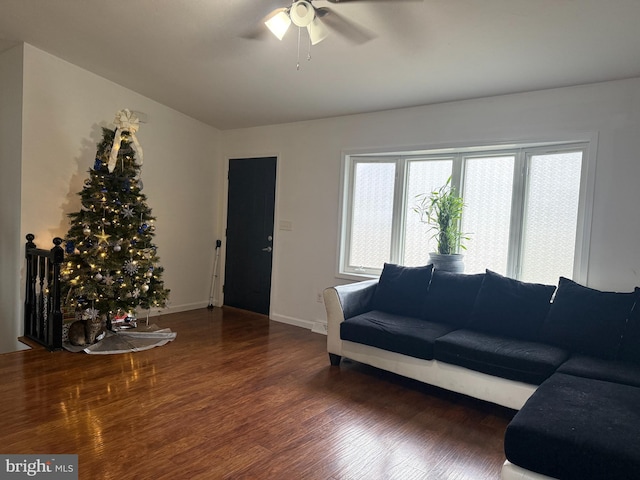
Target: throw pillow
(588,321)
(511,308)
(402,290)
(451,297)
(630,346)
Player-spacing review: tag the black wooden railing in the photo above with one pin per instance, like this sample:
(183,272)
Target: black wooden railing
(42,309)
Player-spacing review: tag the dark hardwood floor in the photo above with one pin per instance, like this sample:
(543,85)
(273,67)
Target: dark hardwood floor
(238,396)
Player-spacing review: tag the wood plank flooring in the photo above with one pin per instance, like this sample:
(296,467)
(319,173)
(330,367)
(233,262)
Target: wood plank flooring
(236,396)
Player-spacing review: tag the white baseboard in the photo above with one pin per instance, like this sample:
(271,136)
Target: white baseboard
(185,307)
(292,321)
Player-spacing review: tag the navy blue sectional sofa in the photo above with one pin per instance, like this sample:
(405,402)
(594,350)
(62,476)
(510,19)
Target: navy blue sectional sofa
(566,357)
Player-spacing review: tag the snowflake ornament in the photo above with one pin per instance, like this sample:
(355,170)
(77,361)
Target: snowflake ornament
(127,212)
(130,267)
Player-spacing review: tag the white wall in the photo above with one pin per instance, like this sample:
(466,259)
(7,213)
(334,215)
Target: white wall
(309,155)
(63,110)
(10,153)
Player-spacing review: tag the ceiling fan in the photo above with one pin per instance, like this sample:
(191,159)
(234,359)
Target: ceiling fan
(303,14)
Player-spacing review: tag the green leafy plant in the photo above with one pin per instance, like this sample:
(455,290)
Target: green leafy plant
(442,210)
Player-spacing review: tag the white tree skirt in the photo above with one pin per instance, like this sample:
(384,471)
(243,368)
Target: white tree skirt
(127,341)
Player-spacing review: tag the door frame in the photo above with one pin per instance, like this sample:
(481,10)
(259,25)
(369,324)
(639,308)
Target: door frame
(225,214)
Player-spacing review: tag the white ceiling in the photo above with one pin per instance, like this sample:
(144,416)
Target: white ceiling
(194,55)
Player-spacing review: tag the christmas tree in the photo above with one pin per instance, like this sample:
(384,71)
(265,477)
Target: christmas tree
(111,266)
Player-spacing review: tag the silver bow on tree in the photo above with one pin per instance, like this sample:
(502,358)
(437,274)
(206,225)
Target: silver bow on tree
(125,121)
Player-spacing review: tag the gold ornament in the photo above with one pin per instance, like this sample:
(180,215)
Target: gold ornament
(103,238)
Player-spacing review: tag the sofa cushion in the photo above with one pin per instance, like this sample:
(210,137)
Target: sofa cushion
(587,321)
(600,369)
(630,344)
(576,428)
(402,290)
(520,360)
(396,333)
(451,297)
(509,307)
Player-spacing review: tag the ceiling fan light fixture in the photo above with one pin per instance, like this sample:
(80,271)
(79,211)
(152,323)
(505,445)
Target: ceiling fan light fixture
(302,13)
(317,31)
(279,24)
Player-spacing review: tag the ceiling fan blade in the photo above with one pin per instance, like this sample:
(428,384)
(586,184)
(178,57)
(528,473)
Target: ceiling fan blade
(348,29)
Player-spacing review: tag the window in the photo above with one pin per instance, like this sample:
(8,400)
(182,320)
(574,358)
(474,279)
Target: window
(522,209)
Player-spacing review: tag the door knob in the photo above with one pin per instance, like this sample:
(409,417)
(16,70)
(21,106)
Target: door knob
(267,249)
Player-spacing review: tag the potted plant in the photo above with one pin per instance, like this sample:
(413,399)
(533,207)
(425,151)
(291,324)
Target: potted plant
(442,210)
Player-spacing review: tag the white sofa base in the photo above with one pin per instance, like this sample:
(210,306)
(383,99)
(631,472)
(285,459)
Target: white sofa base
(508,393)
(514,472)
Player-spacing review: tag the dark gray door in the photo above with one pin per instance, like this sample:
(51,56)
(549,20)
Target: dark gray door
(249,247)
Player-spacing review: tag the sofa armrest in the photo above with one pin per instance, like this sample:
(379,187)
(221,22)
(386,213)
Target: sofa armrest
(345,301)
(356,298)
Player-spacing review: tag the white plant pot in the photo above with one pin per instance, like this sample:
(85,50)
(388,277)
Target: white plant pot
(447,262)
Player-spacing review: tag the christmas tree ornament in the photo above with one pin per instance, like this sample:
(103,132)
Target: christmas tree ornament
(86,231)
(130,267)
(97,277)
(127,212)
(117,247)
(128,122)
(103,237)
